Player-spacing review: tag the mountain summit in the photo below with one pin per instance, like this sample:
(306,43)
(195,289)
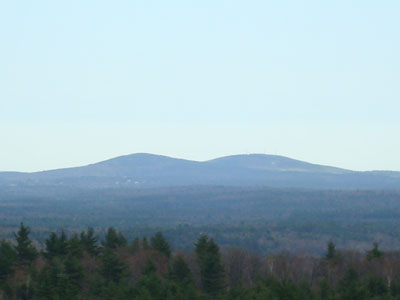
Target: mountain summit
(144,170)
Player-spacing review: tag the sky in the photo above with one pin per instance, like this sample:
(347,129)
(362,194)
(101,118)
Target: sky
(84,81)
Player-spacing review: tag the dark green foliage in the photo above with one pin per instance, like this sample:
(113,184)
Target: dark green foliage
(350,286)
(26,252)
(56,245)
(287,290)
(59,280)
(179,271)
(7,260)
(325,291)
(237,293)
(149,267)
(211,269)
(75,273)
(135,245)
(149,286)
(145,244)
(331,251)
(395,288)
(375,253)
(159,243)
(201,248)
(89,242)
(114,239)
(113,269)
(377,286)
(75,247)
(258,292)
(66,274)
(23,292)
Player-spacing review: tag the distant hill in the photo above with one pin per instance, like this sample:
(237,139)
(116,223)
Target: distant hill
(143,170)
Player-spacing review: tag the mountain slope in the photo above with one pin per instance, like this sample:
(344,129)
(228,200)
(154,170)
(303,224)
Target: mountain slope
(273,163)
(147,170)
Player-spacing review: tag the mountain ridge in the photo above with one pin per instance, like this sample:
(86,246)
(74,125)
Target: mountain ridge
(151,170)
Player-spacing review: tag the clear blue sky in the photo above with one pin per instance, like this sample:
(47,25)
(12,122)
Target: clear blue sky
(83,81)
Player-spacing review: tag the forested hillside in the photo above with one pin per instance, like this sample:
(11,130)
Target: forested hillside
(80,266)
(261,219)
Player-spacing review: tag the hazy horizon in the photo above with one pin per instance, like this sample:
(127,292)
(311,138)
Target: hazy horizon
(87,81)
(183,158)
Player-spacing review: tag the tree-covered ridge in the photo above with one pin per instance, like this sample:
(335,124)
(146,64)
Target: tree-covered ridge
(261,219)
(80,266)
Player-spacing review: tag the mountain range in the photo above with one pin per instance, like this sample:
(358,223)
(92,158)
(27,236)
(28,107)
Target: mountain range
(144,170)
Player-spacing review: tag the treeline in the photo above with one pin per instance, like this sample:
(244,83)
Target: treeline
(80,266)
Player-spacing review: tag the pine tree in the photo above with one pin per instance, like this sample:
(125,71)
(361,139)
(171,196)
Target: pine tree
(213,278)
(179,271)
(374,252)
(58,281)
(377,286)
(75,247)
(7,260)
(149,286)
(51,246)
(350,287)
(113,239)
(331,251)
(113,268)
(62,244)
(45,284)
(211,269)
(201,248)
(26,252)
(149,267)
(75,273)
(89,242)
(159,243)
(56,246)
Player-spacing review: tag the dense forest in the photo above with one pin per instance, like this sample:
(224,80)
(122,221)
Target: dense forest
(82,266)
(261,219)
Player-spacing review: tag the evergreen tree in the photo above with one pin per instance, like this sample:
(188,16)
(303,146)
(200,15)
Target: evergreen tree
(213,274)
(62,244)
(331,251)
(159,243)
(149,286)
(350,287)
(75,273)
(374,252)
(377,286)
(201,248)
(7,260)
(75,247)
(55,282)
(114,239)
(44,285)
(211,269)
(179,271)
(113,268)
(26,252)
(56,245)
(149,267)
(325,291)
(89,242)
(51,246)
